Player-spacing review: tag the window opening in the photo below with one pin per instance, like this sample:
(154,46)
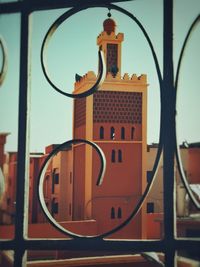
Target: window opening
(54,207)
(55,176)
(112,133)
(132,132)
(119,155)
(113,156)
(55,179)
(122,133)
(119,213)
(150,207)
(101,134)
(149,176)
(112,216)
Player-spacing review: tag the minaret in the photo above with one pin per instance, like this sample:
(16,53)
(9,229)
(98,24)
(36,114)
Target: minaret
(110,43)
(115,118)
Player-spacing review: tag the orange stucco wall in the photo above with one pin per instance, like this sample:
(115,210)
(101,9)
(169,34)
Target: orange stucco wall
(193,165)
(78,182)
(118,126)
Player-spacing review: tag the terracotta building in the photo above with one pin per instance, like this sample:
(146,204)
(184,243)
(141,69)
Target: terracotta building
(115,119)
(58,184)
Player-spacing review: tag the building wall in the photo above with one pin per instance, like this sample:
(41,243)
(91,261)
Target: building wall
(79,181)
(190,159)
(34,169)
(9,197)
(58,186)
(155,196)
(114,118)
(3,137)
(193,165)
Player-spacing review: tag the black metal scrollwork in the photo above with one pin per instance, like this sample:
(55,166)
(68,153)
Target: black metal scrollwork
(4,62)
(90,91)
(42,177)
(178,155)
(102,68)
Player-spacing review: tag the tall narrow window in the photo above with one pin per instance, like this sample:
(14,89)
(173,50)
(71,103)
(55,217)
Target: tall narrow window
(112,215)
(112,133)
(119,213)
(122,133)
(55,179)
(132,132)
(54,207)
(150,207)
(149,176)
(119,155)
(55,176)
(101,133)
(113,156)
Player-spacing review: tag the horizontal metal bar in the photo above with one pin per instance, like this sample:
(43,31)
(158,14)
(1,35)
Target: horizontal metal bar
(33,5)
(97,244)
(7,245)
(10,7)
(100,244)
(187,243)
(86,244)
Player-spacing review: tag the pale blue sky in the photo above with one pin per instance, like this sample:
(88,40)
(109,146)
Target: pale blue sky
(73,50)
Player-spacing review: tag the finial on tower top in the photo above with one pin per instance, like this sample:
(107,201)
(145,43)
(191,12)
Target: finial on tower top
(109,24)
(109,14)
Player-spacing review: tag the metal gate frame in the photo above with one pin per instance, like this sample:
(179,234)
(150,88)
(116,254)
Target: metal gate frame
(169,244)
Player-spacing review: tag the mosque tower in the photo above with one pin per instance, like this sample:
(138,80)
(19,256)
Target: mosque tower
(115,118)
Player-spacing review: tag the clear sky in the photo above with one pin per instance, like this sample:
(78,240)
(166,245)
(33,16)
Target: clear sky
(73,50)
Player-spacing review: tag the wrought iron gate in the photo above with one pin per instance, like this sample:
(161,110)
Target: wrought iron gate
(170,244)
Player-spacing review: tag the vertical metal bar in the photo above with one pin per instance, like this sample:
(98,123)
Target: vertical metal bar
(169,134)
(21,221)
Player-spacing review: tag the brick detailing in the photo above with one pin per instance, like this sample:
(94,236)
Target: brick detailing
(117,107)
(80,111)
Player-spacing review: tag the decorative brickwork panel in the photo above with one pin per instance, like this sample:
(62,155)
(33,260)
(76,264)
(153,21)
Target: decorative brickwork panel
(80,112)
(111,57)
(117,107)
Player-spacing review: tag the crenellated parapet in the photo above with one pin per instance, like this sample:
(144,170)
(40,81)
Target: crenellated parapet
(104,36)
(90,78)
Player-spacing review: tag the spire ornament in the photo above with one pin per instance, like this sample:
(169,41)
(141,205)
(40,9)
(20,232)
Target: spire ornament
(109,14)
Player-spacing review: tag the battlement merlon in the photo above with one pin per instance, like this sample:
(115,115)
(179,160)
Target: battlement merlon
(89,79)
(110,38)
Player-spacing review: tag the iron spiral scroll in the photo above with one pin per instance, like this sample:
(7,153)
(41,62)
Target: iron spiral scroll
(4,65)
(184,179)
(90,91)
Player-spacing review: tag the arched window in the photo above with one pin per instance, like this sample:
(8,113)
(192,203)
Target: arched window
(101,133)
(132,132)
(112,215)
(119,155)
(112,133)
(113,156)
(122,133)
(119,213)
